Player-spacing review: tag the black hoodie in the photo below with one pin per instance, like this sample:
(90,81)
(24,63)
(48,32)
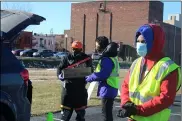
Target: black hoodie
(110,50)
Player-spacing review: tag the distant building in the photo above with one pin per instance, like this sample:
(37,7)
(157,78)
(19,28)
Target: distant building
(44,41)
(174,19)
(59,42)
(69,40)
(24,40)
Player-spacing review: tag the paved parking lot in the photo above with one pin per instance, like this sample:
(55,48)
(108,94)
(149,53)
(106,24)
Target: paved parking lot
(94,113)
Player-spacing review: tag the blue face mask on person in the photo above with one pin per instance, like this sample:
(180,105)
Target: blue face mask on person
(141,49)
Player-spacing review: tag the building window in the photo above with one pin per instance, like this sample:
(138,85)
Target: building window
(41,42)
(44,42)
(41,39)
(27,40)
(102,5)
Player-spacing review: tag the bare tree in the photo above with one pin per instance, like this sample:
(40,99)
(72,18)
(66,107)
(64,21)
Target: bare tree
(24,6)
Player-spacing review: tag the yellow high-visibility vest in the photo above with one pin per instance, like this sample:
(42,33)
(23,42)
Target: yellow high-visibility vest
(113,79)
(140,93)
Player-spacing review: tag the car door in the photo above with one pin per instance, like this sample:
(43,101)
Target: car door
(51,53)
(31,52)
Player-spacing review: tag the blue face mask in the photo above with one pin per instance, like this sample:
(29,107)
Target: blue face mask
(141,49)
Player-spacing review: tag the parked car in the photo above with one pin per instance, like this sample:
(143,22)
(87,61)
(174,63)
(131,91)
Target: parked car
(16,52)
(60,54)
(16,88)
(28,52)
(43,53)
(95,56)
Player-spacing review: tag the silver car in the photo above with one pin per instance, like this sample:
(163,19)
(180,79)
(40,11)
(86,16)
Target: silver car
(16,87)
(60,54)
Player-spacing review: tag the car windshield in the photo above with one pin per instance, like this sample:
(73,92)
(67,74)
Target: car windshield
(43,51)
(60,53)
(47,51)
(40,51)
(27,50)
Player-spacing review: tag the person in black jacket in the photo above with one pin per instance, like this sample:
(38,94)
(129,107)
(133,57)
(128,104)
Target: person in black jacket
(74,93)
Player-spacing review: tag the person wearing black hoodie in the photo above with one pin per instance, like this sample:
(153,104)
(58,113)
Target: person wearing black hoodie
(107,74)
(74,93)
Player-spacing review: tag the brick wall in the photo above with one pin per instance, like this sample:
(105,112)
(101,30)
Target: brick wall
(127,17)
(24,41)
(59,42)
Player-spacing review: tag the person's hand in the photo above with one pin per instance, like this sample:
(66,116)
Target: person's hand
(123,113)
(87,79)
(61,77)
(131,108)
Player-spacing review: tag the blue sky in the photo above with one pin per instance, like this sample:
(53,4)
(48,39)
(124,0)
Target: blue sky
(58,14)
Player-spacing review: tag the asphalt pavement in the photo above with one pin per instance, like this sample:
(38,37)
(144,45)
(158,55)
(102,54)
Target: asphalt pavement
(94,113)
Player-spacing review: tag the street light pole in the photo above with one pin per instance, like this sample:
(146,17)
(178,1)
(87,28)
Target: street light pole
(66,43)
(66,36)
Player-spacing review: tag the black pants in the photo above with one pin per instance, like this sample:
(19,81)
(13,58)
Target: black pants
(66,115)
(107,106)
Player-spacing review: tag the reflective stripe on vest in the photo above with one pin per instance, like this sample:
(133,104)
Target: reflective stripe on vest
(140,93)
(139,96)
(113,79)
(163,68)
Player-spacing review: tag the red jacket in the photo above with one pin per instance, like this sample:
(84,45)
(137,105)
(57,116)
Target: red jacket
(168,85)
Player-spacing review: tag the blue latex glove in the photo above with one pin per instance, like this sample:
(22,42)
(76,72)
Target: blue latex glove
(61,77)
(87,79)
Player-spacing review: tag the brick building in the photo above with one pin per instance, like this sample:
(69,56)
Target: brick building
(59,42)
(119,21)
(24,41)
(126,18)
